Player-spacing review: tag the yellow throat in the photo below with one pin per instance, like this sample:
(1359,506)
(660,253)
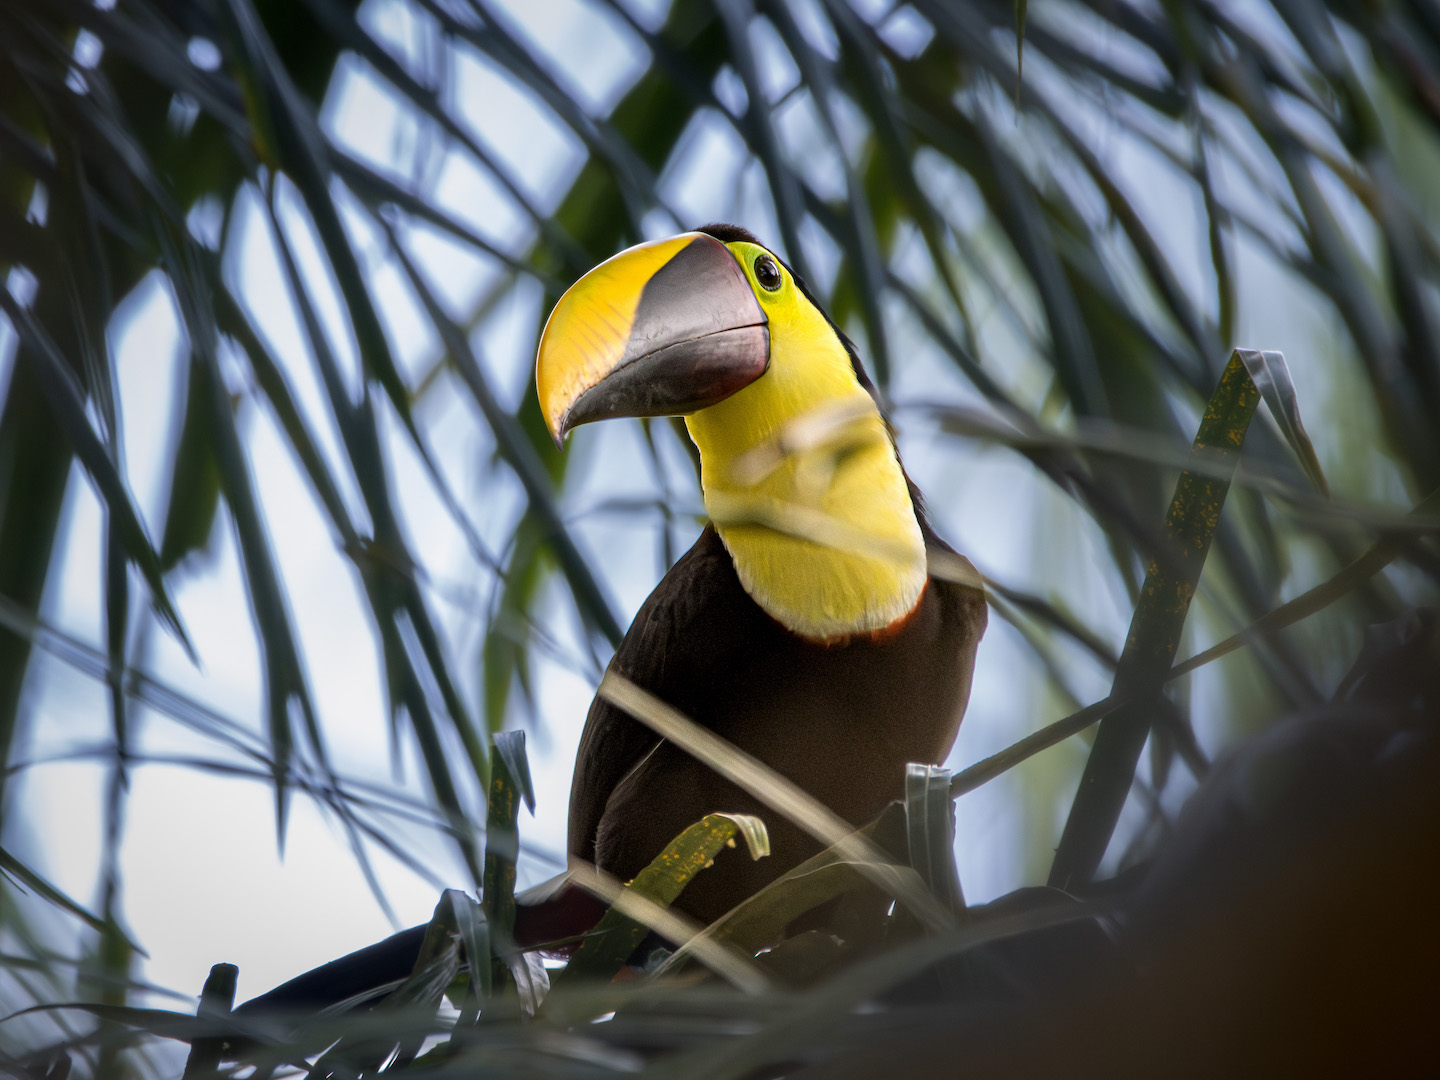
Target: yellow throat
(802,482)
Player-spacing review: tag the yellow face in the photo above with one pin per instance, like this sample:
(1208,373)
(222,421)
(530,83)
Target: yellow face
(809,367)
(779,287)
(822,531)
(826,541)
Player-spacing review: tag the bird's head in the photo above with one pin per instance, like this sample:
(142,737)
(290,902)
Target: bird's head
(676,326)
(798,470)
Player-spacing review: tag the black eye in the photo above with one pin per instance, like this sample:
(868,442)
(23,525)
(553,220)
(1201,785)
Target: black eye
(767,273)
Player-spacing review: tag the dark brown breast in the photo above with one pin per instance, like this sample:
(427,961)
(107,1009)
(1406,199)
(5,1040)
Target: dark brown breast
(842,721)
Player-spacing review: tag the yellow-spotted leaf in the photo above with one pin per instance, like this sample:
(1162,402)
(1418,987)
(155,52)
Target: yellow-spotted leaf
(607,948)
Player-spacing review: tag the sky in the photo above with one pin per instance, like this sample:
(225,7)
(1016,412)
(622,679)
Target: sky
(204,879)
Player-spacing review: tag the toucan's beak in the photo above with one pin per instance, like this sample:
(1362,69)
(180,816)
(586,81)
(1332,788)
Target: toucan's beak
(661,329)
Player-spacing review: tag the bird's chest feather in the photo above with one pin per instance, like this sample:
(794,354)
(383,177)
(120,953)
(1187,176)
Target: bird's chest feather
(842,719)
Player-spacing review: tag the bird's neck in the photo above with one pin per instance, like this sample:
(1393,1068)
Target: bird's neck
(802,482)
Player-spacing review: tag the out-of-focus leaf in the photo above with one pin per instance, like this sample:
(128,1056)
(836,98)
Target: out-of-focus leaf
(521,454)
(402,681)
(158,1022)
(502,847)
(305,152)
(1155,632)
(1272,378)
(510,745)
(987,769)
(399,606)
(1118,440)
(217,998)
(1306,604)
(284,673)
(1396,392)
(1221,259)
(689,50)
(734,968)
(1149,249)
(273,383)
(345,28)
(67,405)
(759,131)
(1035,244)
(475,937)
(762,919)
(23,876)
(1379,556)
(1053,615)
(194,484)
(609,946)
(930,830)
(436,966)
(785,1033)
(372,187)
(858,238)
(632,174)
(1020,7)
(504,653)
(1412,273)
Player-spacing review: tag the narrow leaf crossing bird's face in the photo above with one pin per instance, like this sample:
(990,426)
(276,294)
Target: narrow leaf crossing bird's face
(662,329)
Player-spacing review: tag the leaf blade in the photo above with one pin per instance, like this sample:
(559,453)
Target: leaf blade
(609,946)
(1155,630)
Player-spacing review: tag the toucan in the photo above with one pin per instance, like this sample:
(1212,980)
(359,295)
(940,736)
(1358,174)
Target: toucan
(804,626)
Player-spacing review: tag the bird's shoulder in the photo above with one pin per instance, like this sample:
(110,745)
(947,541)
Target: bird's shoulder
(962,607)
(689,621)
(685,635)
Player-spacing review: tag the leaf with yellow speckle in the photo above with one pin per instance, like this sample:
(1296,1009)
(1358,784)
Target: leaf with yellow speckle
(607,948)
(1156,626)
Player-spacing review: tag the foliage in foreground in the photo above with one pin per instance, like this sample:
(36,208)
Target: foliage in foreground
(1209,928)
